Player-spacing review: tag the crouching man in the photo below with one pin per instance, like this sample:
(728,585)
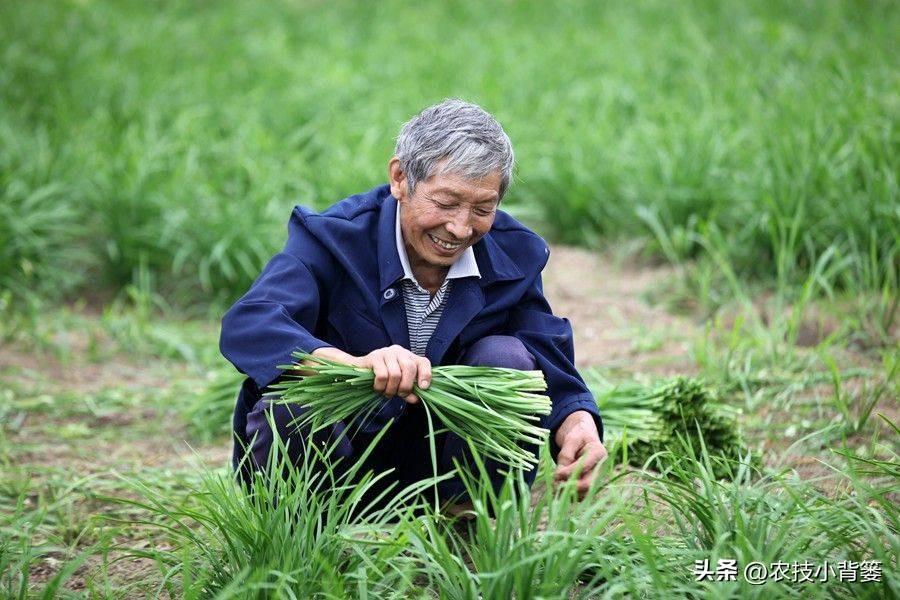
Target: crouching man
(422,271)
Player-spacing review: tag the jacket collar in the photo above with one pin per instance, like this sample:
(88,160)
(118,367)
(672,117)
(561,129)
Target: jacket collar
(390,268)
(494,264)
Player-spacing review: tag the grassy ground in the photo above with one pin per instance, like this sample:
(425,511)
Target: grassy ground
(101,411)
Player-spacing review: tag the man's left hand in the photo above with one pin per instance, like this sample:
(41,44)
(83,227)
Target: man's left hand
(580,450)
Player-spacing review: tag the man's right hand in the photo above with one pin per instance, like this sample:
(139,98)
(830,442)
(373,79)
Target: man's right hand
(396,369)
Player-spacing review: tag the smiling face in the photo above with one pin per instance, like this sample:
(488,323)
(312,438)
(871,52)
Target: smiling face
(445,215)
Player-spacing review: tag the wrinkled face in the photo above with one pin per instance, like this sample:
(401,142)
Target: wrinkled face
(445,215)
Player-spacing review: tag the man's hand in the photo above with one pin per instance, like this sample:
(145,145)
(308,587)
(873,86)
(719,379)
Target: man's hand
(396,369)
(580,450)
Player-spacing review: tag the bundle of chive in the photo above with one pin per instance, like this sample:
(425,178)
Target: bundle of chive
(497,410)
(648,419)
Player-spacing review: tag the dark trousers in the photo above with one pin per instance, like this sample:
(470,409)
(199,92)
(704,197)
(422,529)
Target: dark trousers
(404,447)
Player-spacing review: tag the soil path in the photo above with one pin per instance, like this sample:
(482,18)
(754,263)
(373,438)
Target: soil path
(614,326)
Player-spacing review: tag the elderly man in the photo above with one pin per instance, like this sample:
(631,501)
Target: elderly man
(422,271)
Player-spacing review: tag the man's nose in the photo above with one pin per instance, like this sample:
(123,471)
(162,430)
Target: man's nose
(459,227)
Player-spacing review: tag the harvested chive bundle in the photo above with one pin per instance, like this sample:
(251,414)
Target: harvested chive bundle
(496,409)
(649,418)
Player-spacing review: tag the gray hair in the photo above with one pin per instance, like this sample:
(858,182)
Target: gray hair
(454,137)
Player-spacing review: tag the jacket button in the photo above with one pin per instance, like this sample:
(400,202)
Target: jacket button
(389,293)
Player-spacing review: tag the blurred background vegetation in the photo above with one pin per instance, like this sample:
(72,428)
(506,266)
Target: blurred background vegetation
(168,141)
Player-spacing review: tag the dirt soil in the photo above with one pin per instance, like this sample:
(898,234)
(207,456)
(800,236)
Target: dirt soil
(614,326)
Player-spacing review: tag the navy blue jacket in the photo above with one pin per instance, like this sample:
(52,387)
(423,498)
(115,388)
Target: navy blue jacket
(336,283)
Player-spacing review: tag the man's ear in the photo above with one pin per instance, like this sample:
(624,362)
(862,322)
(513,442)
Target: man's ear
(397,179)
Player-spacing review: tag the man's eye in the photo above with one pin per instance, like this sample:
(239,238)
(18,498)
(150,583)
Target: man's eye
(483,212)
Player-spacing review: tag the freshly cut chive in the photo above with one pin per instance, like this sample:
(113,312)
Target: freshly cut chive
(650,419)
(495,408)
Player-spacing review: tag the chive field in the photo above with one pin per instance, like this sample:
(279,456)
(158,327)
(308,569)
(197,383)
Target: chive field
(719,185)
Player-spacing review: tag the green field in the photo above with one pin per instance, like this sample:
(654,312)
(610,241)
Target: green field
(734,166)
